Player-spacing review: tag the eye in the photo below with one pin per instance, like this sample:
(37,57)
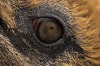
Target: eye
(48,30)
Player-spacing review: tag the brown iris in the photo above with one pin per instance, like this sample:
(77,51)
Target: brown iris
(47,30)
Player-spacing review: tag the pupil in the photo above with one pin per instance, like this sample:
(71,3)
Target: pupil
(48,30)
(51,28)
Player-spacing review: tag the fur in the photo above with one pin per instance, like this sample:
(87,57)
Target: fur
(86,15)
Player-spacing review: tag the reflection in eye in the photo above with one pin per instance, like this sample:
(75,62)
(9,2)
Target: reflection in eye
(48,30)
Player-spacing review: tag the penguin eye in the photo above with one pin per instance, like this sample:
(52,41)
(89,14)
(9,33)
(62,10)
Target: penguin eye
(48,30)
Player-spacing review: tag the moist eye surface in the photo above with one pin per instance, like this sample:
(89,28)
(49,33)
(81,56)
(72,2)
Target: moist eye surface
(47,30)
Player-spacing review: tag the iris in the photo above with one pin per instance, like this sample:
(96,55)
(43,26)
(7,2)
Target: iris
(48,30)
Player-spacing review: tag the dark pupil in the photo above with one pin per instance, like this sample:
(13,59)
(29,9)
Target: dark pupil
(48,30)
